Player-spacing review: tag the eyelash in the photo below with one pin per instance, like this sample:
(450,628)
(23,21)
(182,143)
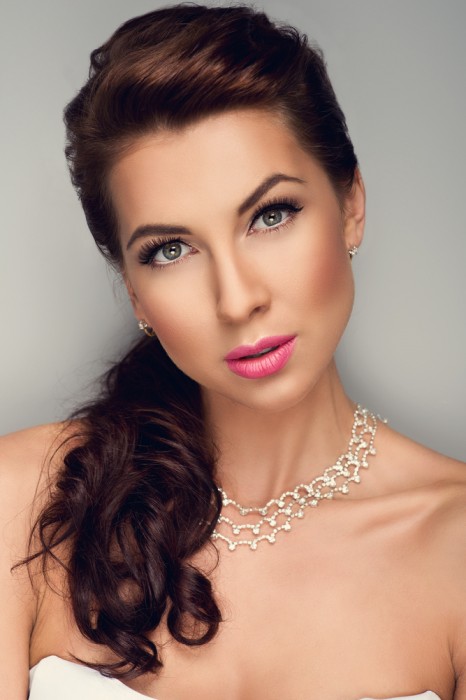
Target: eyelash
(290,204)
(150,249)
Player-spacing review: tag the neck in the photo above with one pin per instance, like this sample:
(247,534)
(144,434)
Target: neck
(264,453)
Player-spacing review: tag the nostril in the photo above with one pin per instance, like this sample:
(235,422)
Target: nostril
(241,297)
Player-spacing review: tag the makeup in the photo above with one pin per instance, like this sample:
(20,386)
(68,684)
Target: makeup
(286,208)
(266,357)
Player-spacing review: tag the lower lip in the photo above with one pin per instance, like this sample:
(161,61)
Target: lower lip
(264,366)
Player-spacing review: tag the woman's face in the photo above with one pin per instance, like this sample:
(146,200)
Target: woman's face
(231,235)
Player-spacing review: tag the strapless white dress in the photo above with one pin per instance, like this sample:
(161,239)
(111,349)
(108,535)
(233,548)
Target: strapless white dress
(57,679)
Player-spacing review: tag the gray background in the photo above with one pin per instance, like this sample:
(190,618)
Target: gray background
(399,70)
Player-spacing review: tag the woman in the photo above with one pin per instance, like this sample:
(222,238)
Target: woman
(224,521)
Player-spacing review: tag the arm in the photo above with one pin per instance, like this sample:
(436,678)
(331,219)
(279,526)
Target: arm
(456,545)
(460,692)
(459,656)
(21,459)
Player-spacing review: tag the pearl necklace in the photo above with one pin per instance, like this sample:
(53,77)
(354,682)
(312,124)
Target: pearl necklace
(277,515)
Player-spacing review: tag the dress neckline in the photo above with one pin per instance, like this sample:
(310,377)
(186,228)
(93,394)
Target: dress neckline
(123,688)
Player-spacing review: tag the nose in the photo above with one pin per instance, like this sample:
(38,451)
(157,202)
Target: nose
(241,291)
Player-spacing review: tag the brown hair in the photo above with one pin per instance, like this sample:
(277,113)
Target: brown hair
(174,66)
(138,498)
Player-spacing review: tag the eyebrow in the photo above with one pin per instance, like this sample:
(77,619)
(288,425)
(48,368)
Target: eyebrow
(156,230)
(253,198)
(264,187)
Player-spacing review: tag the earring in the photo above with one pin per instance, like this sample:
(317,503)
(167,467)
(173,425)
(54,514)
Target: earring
(144,326)
(353,251)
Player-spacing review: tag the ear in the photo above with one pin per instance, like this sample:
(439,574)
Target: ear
(355,212)
(133,298)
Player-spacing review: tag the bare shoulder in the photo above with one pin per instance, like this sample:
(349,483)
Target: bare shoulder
(429,490)
(32,444)
(431,484)
(28,461)
(448,547)
(404,465)
(433,489)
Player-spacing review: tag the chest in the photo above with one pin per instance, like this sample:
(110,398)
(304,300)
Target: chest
(347,620)
(329,616)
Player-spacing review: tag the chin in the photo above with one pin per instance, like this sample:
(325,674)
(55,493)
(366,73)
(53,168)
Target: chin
(272,396)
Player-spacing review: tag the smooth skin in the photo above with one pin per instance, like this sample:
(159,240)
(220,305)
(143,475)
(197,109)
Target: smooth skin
(366,595)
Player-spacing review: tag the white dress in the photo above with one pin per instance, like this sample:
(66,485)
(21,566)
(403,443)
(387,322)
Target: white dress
(57,679)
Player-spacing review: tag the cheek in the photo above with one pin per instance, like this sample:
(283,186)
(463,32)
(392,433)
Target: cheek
(175,313)
(179,335)
(320,278)
(330,276)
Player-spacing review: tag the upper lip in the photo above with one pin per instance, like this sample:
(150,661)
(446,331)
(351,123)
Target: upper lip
(262,344)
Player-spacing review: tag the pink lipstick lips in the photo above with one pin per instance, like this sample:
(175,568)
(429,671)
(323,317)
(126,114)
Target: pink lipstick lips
(267,356)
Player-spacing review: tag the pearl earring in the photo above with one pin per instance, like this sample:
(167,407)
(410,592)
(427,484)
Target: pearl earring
(144,326)
(352,251)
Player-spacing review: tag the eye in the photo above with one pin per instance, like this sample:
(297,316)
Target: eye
(274,215)
(163,253)
(169,252)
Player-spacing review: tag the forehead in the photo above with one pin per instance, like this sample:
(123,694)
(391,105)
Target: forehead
(216,162)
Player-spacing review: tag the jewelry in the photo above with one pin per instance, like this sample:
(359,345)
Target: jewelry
(353,251)
(277,515)
(144,326)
